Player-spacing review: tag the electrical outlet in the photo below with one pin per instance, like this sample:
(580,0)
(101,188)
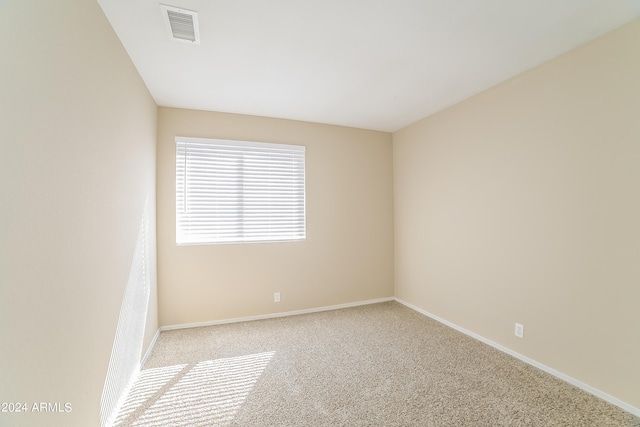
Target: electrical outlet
(276,297)
(519,330)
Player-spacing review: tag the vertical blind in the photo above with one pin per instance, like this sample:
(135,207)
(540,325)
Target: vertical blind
(237,191)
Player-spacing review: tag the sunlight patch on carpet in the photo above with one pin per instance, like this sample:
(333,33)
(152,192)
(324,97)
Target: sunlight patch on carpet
(208,393)
(149,382)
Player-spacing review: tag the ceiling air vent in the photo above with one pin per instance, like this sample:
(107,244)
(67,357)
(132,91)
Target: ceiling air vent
(182,24)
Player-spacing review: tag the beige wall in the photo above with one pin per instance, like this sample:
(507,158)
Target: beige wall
(77,164)
(348,254)
(521,205)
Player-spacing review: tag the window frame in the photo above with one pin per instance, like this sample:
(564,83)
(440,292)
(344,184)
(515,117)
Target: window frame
(255,186)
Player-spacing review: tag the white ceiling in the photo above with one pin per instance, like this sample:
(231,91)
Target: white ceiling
(373,64)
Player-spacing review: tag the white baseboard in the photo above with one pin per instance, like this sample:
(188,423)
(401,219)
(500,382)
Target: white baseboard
(149,349)
(132,379)
(274,315)
(586,387)
(123,396)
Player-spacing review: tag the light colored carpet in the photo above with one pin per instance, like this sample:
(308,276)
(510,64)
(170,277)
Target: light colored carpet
(375,365)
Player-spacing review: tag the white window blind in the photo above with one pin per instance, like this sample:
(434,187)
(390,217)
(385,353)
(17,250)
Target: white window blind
(237,191)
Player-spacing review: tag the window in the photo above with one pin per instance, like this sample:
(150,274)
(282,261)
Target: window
(237,191)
